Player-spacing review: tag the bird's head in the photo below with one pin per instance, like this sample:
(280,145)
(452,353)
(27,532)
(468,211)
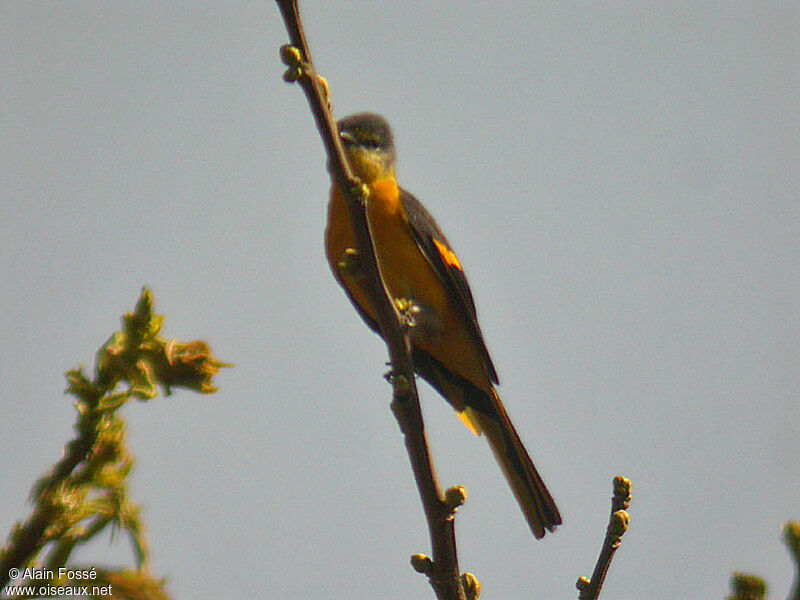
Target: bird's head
(368,143)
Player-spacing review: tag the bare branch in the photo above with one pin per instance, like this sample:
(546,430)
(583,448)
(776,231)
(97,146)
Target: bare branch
(589,589)
(443,572)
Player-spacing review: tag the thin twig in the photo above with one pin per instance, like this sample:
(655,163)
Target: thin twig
(617,526)
(443,574)
(95,463)
(30,537)
(25,542)
(791,535)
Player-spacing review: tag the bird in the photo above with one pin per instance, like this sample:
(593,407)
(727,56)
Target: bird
(424,277)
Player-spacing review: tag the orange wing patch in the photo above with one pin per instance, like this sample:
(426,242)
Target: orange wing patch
(448,256)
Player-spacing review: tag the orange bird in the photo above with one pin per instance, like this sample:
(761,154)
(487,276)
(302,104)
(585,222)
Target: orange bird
(424,278)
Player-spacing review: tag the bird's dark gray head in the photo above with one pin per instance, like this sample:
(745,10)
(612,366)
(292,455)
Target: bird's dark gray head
(369,145)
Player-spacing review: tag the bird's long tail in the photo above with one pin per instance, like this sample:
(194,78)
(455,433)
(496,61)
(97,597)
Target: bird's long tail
(536,502)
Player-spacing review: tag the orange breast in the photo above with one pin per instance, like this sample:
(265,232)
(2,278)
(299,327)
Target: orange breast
(406,273)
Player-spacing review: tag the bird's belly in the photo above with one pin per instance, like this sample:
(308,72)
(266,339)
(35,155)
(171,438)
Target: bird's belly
(439,330)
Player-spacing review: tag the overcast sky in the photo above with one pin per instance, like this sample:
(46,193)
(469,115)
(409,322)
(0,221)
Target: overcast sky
(621,184)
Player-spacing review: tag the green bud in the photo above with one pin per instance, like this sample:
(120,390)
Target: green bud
(290,56)
(421,563)
(455,496)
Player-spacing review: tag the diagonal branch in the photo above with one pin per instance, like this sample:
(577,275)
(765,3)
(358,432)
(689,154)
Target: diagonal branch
(443,572)
(617,526)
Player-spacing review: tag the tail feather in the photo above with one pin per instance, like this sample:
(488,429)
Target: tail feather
(482,412)
(529,489)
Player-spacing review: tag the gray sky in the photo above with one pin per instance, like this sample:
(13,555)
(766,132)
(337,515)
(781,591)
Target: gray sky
(621,184)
